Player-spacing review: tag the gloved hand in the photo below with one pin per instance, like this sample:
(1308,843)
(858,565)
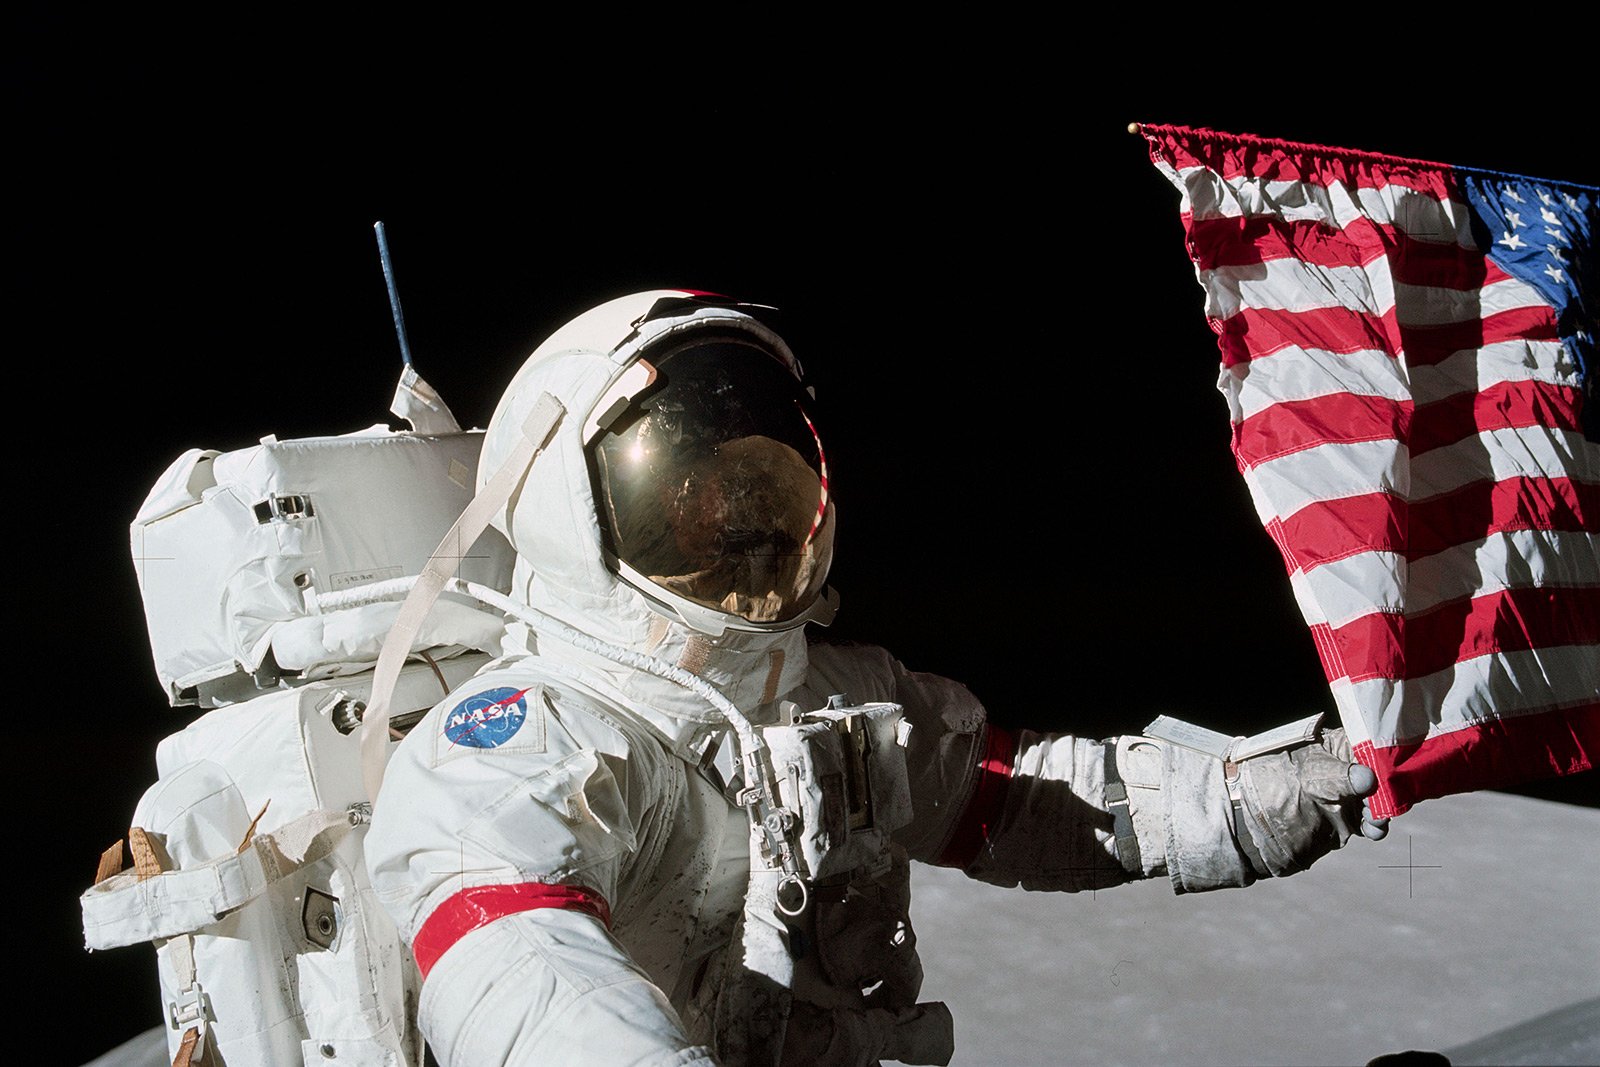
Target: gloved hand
(1303,803)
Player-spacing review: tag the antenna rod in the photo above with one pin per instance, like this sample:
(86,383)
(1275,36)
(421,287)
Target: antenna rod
(394,293)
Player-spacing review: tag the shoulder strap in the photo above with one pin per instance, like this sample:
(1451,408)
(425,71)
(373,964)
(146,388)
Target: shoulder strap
(537,432)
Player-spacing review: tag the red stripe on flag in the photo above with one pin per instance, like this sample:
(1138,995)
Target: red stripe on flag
(1327,651)
(1378,522)
(1390,645)
(1253,333)
(1338,418)
(1501,406)
(1346,418)
(1486,755)
(1235,155)
(1427,345)
(980,819)
(466,911)
(1481,508)
(1249,240)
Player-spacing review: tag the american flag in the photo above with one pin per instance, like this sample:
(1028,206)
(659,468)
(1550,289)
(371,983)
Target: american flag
(1408,353)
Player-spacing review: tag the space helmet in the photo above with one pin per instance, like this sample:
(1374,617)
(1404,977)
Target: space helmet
(701,462)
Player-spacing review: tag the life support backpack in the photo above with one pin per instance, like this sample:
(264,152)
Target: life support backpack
(247,870)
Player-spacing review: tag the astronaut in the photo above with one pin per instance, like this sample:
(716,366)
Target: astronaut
(555,840)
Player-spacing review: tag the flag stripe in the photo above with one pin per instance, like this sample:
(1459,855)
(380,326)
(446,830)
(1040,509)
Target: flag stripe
(1425,345)
(1484,755)
(1503,406)
(1254,333)
(1506,685)
(1282,487)
(1305,373)
(1425,217)
(1290,285)
(1391,645)
(1346,589)
(1348,418)
(1333,529)
(1250,240)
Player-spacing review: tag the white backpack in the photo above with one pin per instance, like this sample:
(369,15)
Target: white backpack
(247,868)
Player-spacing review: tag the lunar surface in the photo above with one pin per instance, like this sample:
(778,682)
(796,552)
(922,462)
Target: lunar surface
(1471,930)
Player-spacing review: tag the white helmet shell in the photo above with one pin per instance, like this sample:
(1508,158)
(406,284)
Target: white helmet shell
(563,566)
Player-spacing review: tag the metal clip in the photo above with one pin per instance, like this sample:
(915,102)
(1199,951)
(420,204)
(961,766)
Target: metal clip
(191,1009)
(283,507)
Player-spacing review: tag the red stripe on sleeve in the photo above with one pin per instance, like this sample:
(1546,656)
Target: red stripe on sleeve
(481,905)
(980,819)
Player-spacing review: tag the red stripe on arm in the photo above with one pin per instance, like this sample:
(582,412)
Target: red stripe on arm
(979,821)
(481,905)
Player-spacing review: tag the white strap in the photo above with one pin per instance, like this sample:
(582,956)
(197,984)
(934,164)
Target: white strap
(126,910)
(419,404)
(537,431)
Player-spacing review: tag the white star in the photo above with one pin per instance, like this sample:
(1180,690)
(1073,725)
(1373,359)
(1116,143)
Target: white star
(1544,198)
(1514,218)
(1549,216)
(1571,203)
(1555,253)
(1512,241)
(1555,273)
(1512,193)
(1557,234)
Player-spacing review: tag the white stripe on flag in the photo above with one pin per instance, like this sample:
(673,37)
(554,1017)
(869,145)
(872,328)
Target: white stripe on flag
(1292,285)
(1303,374)
(1499,686)
(1280,487)
(1347,589)
(1520,452)
(1207,195)
(1474,369)
(1283,486)
(1426,305)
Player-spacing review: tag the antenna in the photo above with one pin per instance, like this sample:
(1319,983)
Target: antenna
(394,293)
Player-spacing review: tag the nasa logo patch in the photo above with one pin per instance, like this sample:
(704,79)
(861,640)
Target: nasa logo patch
(488,719)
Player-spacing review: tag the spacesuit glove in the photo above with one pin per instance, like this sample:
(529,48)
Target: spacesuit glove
(1298,805)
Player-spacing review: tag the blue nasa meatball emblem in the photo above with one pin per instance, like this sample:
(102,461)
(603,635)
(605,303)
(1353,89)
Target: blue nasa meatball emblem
(487,719)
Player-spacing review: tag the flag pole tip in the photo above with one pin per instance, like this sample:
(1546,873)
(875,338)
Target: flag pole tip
(1134,127)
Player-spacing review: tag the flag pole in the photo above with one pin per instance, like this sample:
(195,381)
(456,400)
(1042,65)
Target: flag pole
(1135,128)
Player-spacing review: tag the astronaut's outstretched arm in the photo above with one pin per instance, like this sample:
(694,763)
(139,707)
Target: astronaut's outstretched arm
(1056,812)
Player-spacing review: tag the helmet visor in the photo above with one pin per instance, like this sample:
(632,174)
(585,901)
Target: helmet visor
(713,484)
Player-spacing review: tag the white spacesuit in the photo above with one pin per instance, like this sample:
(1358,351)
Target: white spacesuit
(554,839)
